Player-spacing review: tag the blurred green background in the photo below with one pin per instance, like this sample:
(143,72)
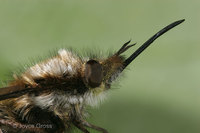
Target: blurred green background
(160,93)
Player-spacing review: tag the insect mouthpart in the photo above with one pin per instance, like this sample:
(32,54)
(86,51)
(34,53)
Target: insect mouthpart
(146,44)
(116,63)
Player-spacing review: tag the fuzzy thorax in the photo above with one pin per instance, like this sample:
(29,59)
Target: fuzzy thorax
(64,75)
(64,81)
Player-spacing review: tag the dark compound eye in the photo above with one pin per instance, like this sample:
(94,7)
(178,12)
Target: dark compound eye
(93,73)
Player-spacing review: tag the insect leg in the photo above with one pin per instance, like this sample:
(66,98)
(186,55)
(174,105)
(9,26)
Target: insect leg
(83,122)
(81,127)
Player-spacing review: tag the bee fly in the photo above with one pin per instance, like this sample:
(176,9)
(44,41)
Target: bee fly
(51,96)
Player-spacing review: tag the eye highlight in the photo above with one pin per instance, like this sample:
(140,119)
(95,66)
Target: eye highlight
(93,73)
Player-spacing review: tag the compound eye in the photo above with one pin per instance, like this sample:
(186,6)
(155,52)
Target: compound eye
(93,73)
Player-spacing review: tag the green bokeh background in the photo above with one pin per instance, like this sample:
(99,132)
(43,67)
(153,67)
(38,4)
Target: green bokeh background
(160,93)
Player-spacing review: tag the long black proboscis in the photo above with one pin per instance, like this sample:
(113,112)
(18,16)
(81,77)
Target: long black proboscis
(151,40)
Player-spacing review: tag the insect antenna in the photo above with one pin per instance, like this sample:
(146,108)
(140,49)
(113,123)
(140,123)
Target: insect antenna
(124,48)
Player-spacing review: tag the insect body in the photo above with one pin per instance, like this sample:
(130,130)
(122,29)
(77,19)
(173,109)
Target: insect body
(51,96)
